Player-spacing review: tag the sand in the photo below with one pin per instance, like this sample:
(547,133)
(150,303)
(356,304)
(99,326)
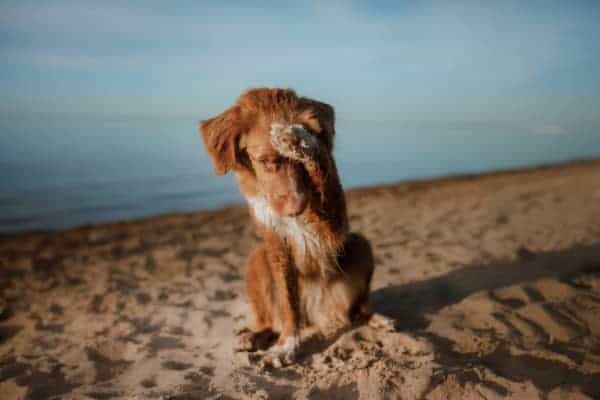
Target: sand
(493,283)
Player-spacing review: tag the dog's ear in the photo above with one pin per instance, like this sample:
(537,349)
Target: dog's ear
(320,118)
(221,135)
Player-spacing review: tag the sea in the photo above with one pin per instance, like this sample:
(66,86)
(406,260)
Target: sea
(59,171)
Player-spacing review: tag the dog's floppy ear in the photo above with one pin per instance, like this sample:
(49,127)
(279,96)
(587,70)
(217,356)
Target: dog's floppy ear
(221,135)
(320,118)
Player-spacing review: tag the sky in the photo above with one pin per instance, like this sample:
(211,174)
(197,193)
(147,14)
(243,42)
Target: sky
(431,62)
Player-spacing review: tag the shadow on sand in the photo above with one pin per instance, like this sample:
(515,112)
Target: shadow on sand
(409,305)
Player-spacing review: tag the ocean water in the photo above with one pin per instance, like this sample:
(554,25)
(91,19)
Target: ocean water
(61,171)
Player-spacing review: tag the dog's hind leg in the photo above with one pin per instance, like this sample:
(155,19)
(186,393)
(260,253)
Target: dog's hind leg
(345,296)
(358,262)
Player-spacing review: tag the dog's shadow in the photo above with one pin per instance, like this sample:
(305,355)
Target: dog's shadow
(411,305)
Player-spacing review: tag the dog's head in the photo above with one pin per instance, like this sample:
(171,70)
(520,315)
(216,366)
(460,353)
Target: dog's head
(239,139)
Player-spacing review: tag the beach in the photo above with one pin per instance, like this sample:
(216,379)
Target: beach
(492,281)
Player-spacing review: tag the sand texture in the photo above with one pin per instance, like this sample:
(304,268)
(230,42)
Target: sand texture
(493,283)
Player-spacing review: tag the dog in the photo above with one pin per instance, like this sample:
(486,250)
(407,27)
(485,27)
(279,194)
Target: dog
(311,271)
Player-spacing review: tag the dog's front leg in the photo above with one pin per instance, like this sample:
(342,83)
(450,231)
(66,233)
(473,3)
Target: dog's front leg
(285,280)
(296,143)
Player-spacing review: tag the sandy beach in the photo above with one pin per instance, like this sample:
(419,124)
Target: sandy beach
(493,282)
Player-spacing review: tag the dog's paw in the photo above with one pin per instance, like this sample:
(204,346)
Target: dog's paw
(246,341)
(254,341)
(282,354)
(382,323)
(293,141)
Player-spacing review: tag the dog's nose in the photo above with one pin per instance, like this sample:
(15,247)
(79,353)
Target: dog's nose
(295,206)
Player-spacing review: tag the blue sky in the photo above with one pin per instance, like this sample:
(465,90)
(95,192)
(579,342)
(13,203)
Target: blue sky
(427,61)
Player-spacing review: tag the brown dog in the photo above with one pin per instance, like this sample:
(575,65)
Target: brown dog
(310,271)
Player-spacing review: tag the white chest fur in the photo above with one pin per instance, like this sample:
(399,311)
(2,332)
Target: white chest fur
(306,242)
